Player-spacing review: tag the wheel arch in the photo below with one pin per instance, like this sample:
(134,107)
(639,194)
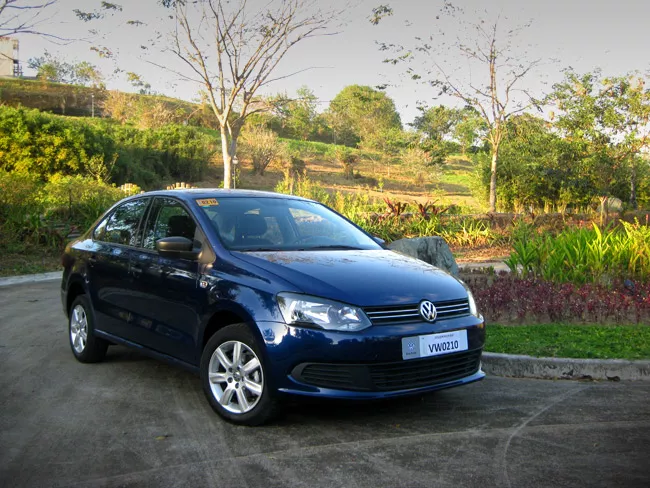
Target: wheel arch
(76,287)
(224,317)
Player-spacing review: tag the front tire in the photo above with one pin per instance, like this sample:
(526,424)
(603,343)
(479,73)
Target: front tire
(235,379)
(86,347)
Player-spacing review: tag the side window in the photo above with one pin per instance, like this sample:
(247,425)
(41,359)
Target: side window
(122,226)
(168,218)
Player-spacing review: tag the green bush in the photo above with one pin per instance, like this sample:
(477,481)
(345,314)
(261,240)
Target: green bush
(76,200)
(45,145)
(585,255)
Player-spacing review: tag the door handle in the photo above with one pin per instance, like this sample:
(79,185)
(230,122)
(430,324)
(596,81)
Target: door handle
(136,270)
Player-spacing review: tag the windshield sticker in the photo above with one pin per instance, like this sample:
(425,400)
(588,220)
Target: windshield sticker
(207,202)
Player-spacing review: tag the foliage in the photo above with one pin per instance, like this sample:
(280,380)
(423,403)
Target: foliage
(437,123)
(347,158)
(424,165)
(297,118)
(55,69)
(263,147)
(610,117)
(585,255)
(358,113)
(509,299)
(571,341)
(45,145)
(42,214)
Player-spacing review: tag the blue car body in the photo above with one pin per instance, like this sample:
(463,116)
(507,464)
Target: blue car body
(169,307)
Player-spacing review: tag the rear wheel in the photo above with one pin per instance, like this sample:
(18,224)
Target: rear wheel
(234,377)
(85,346)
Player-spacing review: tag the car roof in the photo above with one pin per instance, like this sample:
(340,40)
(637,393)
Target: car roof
(194,193)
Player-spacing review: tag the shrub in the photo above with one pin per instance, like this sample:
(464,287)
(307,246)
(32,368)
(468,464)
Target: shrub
(77,200)
(584,255)
(345,157)
(508,299)
(263,147)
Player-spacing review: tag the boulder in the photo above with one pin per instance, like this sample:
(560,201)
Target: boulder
(432,250)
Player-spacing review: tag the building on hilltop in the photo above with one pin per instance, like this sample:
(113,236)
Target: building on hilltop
(9,63)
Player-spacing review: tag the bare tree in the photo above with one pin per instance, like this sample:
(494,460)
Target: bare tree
(22,17)
(495,93)
(232,49)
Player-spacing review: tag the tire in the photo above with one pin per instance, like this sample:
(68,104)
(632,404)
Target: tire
(86,347)
(237,388)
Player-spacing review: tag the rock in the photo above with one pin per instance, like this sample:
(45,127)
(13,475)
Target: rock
(432,250)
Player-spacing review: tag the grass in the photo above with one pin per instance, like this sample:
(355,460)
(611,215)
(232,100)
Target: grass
(29,262)
(568,341)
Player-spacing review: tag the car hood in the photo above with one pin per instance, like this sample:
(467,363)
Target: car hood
(364,278)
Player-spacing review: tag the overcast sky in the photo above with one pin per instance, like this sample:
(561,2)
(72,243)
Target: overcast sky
(583,34)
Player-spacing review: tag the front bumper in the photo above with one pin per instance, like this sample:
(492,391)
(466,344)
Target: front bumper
(367,364)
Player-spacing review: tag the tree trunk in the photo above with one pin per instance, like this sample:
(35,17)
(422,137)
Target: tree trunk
(633,203)
(493,179)
(227,159)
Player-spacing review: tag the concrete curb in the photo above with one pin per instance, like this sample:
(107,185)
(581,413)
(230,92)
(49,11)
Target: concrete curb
(17,280)
(561,368)
(498,266)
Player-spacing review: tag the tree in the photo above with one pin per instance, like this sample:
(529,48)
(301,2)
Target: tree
(358,113)
(231,49)
(55,69)
(437,123)
(20,17)
(487,48)
(469,129)
(611,117)
(302,114)
(531,169)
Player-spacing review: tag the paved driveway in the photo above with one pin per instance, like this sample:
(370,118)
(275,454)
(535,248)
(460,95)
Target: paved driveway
(131,421)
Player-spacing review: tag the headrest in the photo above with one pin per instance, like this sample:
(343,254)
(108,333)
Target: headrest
(181,225)
(251,225)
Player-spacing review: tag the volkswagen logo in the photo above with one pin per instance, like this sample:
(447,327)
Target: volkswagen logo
(428,311)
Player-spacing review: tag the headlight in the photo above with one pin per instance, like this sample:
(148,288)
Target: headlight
(472,303)
(470,298)
(311,311)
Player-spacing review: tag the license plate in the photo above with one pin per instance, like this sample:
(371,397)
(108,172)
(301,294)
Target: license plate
(434,344)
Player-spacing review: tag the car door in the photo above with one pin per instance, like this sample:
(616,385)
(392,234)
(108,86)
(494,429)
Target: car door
(110,284)
(170,297)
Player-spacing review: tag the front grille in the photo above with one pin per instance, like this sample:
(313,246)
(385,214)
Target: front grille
(400,375)
(405,314)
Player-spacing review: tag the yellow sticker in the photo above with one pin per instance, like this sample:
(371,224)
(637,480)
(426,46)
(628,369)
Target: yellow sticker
(207,202)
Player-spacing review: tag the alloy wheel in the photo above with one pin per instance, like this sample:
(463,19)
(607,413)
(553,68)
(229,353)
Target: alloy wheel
(236,377)
(78,329)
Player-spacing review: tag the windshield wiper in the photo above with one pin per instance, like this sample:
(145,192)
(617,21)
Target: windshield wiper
(338,247)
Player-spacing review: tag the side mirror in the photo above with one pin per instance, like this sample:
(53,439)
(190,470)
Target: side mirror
(379,241)
(177,247)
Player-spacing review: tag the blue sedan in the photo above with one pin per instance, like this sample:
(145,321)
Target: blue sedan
(266,295)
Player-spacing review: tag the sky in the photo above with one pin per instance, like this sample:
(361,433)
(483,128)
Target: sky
(582,34)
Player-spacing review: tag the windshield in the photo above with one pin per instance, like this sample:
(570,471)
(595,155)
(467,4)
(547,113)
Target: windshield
(276,224)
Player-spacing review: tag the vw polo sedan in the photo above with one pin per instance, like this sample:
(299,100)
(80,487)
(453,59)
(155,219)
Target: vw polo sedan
(266,295)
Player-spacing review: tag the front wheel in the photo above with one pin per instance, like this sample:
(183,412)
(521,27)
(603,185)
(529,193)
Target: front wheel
(85,346)
(234,378)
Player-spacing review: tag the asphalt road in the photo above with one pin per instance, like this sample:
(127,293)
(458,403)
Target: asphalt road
(131,421)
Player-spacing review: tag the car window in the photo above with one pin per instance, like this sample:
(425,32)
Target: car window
(121,227)
(168,218)
(309,224)
(250,224)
